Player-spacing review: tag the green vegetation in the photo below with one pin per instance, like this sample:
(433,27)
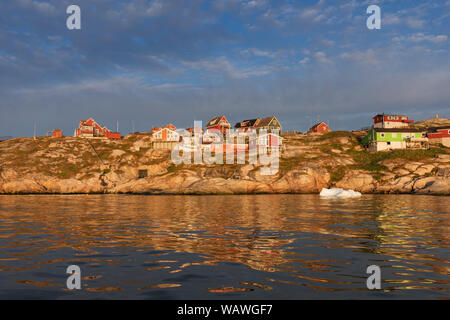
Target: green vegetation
(336,173)
(370,161)
(336,134)
(69,172)
(173,167)
(289,164)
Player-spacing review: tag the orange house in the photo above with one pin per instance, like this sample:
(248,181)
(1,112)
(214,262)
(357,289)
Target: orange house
(167,133)
(57,134)
(89,128)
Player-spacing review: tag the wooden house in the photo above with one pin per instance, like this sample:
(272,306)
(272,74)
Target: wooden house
(270,124)
(380,139)
(219,123)
(391,121)
(89,128)
(267,140)
(246,125)
(57,133)
(166,134)
(320,127)
(439,135)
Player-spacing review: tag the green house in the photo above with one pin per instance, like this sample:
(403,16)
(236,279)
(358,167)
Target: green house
(379,139)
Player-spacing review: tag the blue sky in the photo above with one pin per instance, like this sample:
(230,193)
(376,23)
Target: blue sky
(159,61)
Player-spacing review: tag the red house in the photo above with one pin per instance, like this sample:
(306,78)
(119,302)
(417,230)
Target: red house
(89,128)
(439,135)
(321,127)
(218,123)
(391,121)
(267,140)
(246,125)
(57,134)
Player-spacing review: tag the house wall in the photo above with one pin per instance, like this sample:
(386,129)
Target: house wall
(387,145)
(444,141)
(396,136)
(57,134)
(390,124)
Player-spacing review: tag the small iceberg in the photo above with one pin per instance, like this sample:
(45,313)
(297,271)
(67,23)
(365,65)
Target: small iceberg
(339,193)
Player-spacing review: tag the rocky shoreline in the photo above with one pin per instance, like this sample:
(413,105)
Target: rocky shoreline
(308,163)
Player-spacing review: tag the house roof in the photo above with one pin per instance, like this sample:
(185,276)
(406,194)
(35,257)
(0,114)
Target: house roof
(398,130)
(265,121)
(392,115)
(318,124)
(246,123)
(194,128)
(214,121)
(158,129)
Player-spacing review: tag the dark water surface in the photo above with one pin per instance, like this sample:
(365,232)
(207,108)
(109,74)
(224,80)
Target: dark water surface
(224,247)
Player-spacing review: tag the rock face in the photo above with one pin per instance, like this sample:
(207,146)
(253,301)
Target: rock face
(358,181)
(307,164)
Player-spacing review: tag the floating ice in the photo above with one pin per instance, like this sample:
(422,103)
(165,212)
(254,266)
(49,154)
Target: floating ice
(339,193)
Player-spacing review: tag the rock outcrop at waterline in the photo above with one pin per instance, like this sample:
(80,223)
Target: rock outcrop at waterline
(308,163)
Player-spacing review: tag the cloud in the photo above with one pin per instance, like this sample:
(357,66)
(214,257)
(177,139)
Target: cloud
(224,67)
(37,6)
(160,61)
(415,23)
(421,37)
(305,60)
(368,56)
(321,57)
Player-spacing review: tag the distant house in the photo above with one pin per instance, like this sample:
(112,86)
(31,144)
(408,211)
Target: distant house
(439,135)
(380,139)
(219,123)
(270,124)
(89,128)
(57,133)
(391,121)
(166,134)
(246,125)
(194,130)
(267,140)
(320,127)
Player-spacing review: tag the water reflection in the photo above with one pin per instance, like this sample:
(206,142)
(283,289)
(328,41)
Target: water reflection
(304,245)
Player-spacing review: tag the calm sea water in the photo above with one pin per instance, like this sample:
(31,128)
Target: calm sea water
(224,247)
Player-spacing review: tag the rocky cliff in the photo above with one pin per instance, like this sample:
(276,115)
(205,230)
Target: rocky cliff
(308,163)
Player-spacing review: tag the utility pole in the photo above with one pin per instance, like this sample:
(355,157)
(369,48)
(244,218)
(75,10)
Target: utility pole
(34,134)
(117,126)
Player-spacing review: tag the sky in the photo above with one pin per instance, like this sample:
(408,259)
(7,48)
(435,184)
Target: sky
(148,63)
